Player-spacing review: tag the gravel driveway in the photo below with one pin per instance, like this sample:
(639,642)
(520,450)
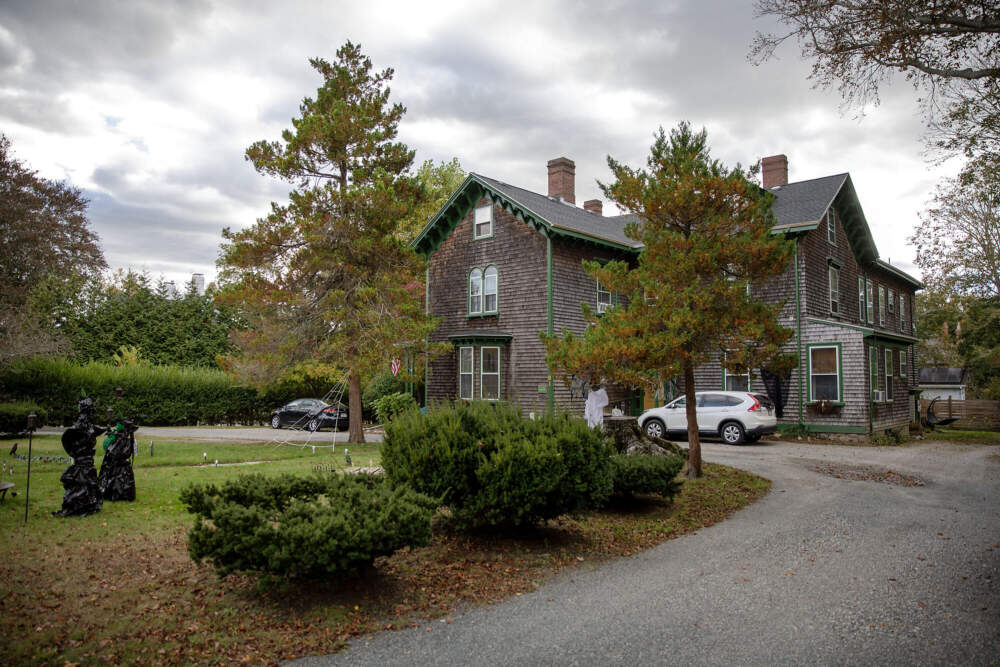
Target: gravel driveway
(823,570)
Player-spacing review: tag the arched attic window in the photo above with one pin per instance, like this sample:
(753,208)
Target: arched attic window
(475,291)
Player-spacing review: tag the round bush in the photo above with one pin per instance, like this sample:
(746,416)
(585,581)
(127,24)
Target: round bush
(303,526)
(492,467)
(646,473)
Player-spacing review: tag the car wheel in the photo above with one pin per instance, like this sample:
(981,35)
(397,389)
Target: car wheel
(275,421)
(732,433)
(313,425)
(655,428)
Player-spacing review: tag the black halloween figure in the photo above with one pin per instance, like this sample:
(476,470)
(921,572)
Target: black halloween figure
(116,480)
(80,479)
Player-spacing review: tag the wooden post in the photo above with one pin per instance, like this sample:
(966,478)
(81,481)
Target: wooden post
(949,406)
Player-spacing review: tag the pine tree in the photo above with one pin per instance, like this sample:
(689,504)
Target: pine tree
(706,235)
(326,278)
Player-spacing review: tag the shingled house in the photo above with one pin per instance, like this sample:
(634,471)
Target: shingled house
(505,264)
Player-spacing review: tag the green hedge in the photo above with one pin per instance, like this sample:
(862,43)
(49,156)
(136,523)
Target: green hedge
(646,473)
(155,395)
(306,527)
(492,467)
(14,416)
(391,405)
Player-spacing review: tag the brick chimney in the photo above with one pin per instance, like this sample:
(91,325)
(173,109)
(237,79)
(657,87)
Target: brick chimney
(594,206)
(562,179)
(775,170)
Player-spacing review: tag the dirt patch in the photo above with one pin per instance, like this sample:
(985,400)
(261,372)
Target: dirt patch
(865,474)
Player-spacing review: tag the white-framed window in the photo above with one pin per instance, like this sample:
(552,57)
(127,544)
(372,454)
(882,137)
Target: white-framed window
(475,291)
(466,359)
(902,312)
(892,302)
(490,290)
(861,298)
(888,375)
(881,305)
(873,369)
(735,381)
(903,372)
(834,280)
(483,222)
(824,373)
(869,302)
(831,227)
(605,299)
(489,373)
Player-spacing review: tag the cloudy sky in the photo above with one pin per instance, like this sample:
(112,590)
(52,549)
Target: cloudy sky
(148,106)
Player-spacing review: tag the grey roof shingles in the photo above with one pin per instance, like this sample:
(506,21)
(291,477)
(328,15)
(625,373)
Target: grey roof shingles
(805,201)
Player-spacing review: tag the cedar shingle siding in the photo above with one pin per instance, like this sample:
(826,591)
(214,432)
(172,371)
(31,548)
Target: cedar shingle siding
(518,246)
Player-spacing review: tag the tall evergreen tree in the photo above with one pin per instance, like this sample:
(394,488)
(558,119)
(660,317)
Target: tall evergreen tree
(706,235)
(327,278)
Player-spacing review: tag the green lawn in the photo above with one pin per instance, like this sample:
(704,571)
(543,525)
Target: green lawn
(118,587)
(947,434)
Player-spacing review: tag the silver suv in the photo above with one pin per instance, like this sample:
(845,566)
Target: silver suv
(734,416)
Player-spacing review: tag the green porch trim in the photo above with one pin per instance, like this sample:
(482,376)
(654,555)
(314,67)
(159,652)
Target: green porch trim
(844,325)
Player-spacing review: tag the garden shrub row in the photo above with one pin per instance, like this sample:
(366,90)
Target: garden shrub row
(492,467)
(389,406)
(320,526)
(14,416)
(155,395)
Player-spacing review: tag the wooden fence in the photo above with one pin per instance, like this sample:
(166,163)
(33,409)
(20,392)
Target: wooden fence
(971,414)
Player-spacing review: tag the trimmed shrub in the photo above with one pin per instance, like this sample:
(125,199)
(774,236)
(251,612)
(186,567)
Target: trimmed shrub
(155,395)
(391,405)
(14,416)
(312,527)
(380,385)
(492,467)
(646,473)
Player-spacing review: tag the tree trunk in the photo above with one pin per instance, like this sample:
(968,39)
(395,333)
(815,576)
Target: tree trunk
(357,433)
(694,444)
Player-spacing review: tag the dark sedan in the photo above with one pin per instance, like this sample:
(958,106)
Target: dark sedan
(310,413)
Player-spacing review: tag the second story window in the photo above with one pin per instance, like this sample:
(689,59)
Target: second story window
(892,302)
(861,298)
(490,290)
(834,280)
(881,306)
(902,312)
(475,292)
(869,302)
(483,223)
(831,227)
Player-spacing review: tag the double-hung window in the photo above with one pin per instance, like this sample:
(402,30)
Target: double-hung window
(465,372)
(831,227)
(735,381)
(483,222)
(489,373)
(869,302)
(904,372)
(881,305)
(605,299)
(834,283)
(902,312)
(824,373)
(476,291)
(861,298)
(490,290)
(892,302)
(888,375)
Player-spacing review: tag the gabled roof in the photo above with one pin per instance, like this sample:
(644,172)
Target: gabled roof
(798,208)
(545,214)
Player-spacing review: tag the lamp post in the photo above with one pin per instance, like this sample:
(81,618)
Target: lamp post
(27,485)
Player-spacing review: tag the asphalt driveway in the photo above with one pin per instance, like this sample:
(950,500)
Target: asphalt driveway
(823,570)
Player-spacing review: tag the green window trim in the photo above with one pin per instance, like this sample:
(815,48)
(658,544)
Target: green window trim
(475,283)
(889,385)
(477,222)
(483,375)
(833,282)
(470,372)
(486,290)
(881,305)
(869,301)
(902,312)
(476,304)
(840,368)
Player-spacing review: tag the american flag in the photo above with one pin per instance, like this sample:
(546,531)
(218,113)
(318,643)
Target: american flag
(395,366)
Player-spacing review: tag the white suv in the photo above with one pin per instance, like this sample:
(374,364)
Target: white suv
(734,416)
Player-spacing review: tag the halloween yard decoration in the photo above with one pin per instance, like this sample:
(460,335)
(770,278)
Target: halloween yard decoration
(80,479)
(116,480)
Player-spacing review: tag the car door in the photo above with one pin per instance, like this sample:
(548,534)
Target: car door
(677,416)
(711,410)
(293,412)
